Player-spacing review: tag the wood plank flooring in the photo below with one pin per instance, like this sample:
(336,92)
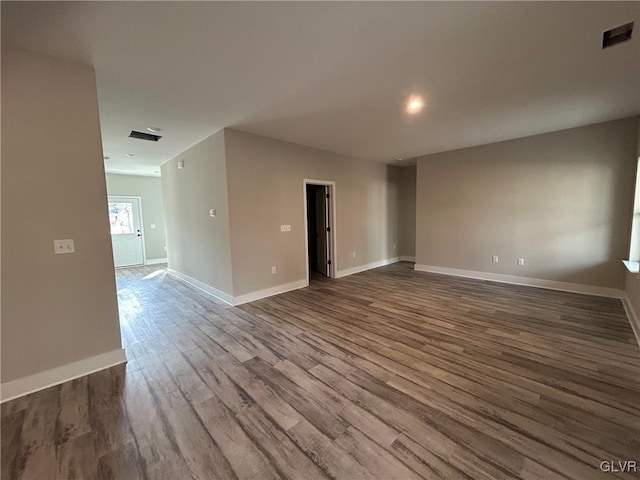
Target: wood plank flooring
(388,374)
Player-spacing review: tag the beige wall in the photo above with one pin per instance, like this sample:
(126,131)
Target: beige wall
(561,200)
(150,191)
(407,211)
(266,191)
(56,309)
(197,244)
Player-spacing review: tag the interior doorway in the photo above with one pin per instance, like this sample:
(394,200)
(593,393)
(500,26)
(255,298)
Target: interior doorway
(320,232)
(125,217)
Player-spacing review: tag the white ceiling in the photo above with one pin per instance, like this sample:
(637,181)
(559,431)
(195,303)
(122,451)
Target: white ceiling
(335,75)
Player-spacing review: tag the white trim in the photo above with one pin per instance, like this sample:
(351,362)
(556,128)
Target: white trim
(405,258)
(333,270)
(268,292)
(530,282)
(632,316)
(132,174)
(239,300)
(366,266)
(214,292)
(155,261)
(55,376)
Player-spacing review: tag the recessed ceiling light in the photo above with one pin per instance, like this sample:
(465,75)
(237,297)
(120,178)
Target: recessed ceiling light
(128,155)
(106,158)
(414,104)
(154,129)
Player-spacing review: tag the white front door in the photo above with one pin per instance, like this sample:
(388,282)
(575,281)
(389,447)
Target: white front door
(126,231)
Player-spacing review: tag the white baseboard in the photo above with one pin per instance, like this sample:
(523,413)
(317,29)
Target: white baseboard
(214,292)
(55,376)
(633,317)
(268,292)
(155,261)
(405,258)
(366,266)
(239,300)
(529,282)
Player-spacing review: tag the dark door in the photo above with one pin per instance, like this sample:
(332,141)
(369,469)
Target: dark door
(318,229)
(322,227)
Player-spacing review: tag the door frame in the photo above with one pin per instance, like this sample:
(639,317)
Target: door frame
(144,235)
(333,268)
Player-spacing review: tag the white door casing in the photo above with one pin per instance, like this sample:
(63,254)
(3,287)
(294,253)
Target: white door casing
(331,214)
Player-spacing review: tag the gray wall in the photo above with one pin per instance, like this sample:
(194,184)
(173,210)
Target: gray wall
(407,211)
(266,190)
(197,244)
(264,181)
(56,309)
(561,200)
(150,190)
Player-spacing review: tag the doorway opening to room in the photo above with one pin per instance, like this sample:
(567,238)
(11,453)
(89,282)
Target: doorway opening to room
(125,217)
(136,218)
(320,229)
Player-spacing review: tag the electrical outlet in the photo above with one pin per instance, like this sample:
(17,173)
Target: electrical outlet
(153,226)
(60,247)
(353,254)
(394,246)
(494,259)
(165,248)
(273,269)
(285,228)
(521,262)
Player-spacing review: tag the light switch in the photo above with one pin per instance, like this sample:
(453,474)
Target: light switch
(212,212)
(285,228)
(60,247)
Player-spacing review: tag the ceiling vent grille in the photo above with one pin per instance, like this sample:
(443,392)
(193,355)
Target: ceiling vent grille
(617,35)
(144,136)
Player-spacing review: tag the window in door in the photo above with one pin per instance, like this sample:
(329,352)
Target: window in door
(121,218)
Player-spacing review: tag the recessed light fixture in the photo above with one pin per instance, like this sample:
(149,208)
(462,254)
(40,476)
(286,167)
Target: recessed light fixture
(414,104)
(129,155)
(106,158)
(154,129)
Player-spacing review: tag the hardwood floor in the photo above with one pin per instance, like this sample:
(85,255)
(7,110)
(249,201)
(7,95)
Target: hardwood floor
(388,374)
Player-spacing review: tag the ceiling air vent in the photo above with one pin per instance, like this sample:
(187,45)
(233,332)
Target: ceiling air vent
(617,35)
(145,136)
